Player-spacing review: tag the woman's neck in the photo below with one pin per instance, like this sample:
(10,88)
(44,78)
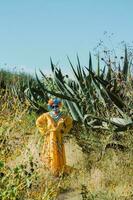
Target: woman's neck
(56,113)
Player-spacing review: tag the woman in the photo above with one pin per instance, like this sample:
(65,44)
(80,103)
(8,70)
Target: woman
(53,125)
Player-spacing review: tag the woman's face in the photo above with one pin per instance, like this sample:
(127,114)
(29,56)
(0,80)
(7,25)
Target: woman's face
(55,108)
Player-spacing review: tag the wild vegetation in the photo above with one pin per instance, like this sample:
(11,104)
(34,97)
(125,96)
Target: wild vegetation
(99,99)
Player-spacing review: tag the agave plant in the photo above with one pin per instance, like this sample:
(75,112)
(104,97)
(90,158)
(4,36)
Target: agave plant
(90,95)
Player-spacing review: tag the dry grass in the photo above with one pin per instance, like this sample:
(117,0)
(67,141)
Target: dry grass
(109,178)
(112,177)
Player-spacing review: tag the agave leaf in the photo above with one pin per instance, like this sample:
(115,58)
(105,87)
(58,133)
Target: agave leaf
(44,89)
(36,106)
(73,112)
(88,91)
(79,70)
(115,85)
(66,90)
(103,73)
(112,96)
(69,89)
(98,90)
(78,111)
(59,74)
(52,65)
(130,69)
(125,67)
(78,75)
(120,122)
(109,73)
(84,74)
(57,71)
(90,62)
(125,117)
(43,75)
(119,68)
(63,89)
(102,81)
(116,100)
(62,86)
(75,74)
(98,65)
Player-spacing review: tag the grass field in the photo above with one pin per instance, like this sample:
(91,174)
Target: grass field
(23,175)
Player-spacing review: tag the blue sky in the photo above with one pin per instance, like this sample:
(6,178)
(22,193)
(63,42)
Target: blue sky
(33,30)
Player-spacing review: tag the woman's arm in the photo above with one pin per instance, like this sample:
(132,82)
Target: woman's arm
(41,124)
(67,125)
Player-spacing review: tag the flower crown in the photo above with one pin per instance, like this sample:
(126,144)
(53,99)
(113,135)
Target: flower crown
(55,101)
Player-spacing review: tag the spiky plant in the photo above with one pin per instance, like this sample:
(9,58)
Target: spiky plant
(90,95)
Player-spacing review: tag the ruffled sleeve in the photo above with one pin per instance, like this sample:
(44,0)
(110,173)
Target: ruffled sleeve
(41,124)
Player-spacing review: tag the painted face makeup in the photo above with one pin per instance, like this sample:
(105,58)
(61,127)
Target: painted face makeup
(55,108)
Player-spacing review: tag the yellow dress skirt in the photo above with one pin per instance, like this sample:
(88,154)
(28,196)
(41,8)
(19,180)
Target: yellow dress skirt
(53,152)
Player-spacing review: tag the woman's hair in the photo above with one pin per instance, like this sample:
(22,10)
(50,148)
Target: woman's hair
(55,101)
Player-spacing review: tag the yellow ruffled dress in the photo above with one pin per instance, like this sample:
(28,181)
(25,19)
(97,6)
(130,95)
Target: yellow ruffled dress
(53,152)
